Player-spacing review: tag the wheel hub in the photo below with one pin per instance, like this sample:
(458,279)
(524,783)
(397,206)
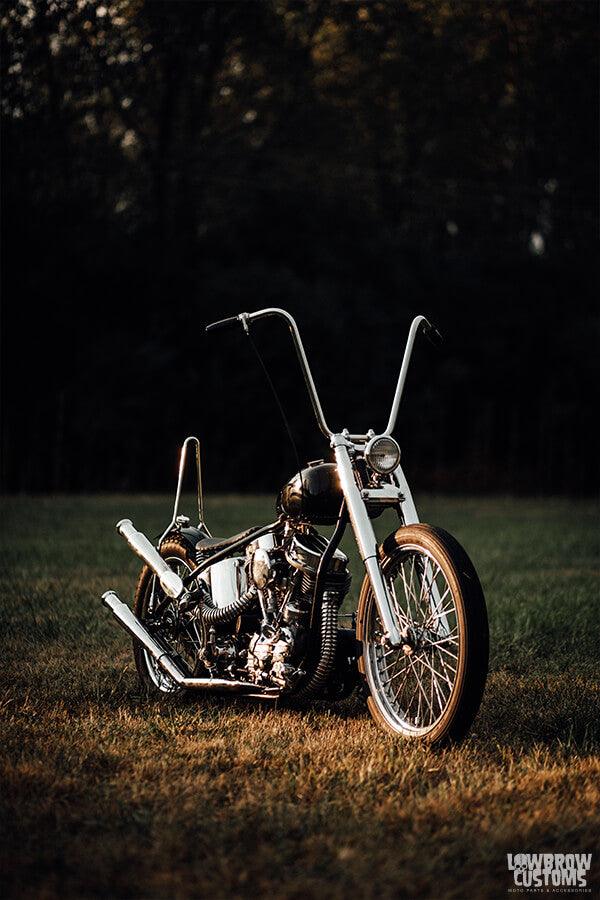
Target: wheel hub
(415,641)
(409,641)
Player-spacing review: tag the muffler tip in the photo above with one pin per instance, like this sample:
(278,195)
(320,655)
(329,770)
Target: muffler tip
(109,598)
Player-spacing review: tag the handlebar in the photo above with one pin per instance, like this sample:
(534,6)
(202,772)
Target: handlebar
(246,318)
(429,330)
(230,321)
(433,335)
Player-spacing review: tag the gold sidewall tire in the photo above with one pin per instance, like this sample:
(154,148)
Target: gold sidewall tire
(473,634)
(154,680)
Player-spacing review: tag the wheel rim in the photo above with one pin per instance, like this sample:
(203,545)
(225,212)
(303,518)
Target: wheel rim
(158,676)
(414,685)
(156,673)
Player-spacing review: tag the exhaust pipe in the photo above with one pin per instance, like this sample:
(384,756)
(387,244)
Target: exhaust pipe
(170,581)
(130,622)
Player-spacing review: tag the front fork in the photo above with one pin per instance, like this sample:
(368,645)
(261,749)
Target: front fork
(366,540)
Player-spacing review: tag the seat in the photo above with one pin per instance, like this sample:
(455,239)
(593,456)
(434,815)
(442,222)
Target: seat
(214,543)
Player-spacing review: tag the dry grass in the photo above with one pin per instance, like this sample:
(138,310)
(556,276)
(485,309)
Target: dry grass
(104,794)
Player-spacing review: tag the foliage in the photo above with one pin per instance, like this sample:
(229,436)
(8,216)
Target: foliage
(167,164)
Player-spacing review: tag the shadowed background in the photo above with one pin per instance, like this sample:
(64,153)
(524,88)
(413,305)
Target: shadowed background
(168,164)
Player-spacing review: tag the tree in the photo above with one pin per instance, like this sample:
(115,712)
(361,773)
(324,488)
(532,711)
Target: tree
(168,163)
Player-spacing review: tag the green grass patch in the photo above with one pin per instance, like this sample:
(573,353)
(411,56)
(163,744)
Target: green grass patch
(104,794)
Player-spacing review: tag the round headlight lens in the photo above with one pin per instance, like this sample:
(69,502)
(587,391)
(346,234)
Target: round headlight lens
(382,454)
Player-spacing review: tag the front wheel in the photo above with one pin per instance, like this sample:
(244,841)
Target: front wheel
(431,686)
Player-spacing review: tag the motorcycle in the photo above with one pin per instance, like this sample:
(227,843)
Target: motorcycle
(257,614)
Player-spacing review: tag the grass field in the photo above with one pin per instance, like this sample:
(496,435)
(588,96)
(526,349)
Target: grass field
(104,794)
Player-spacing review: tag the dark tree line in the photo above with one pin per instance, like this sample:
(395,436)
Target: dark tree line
(166,164)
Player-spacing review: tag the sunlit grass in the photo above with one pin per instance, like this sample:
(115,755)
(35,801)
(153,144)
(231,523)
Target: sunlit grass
(104,794)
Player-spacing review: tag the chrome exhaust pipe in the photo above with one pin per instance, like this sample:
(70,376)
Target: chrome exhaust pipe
(170,581)
(130,622)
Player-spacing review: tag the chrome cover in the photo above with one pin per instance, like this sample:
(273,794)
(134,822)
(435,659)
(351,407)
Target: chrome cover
(306,550)
(226,579)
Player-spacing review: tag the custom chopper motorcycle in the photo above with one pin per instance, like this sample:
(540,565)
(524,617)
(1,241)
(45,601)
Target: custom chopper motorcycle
(257,613)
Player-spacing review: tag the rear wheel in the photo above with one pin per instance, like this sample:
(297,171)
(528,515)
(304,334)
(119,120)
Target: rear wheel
(430,687)
(180,638)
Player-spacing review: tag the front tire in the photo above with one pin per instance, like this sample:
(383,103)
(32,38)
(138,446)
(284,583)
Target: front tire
(431,687)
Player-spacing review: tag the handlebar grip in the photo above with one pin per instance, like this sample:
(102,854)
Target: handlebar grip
(230,321)
(433,335)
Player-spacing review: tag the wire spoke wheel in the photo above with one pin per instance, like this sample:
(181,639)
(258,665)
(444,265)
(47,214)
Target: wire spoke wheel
(419,677)
(178,637)
(430,686)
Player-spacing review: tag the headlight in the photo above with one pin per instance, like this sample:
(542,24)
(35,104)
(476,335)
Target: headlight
(382,454)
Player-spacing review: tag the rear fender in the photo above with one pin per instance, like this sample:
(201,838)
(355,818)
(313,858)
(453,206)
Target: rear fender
(188,535)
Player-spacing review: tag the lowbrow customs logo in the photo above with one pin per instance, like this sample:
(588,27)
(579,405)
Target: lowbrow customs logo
(549,872)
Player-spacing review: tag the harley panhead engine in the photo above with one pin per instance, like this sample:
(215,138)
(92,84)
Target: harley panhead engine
(285,577)
(256,609)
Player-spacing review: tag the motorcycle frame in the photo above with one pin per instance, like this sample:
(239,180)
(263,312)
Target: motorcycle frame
(345,447)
